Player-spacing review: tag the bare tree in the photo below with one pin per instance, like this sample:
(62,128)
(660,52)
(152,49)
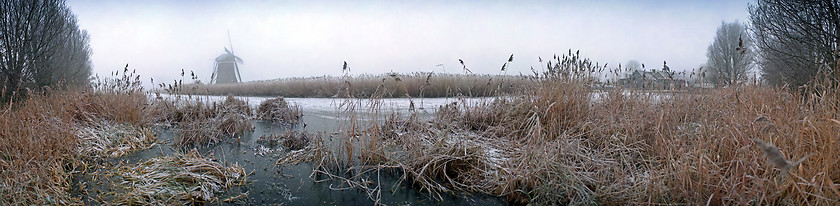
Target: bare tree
(40,45)
(730,56)
(796,38)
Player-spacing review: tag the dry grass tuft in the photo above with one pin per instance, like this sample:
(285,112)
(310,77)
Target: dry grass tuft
(198,133)
(236,106)
(279,111)
(161,111)
(235,124)
(201,123)
(104,139)
(179,179)
(292,140)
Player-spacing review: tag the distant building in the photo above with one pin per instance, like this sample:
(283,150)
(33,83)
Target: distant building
(653,80)
(226,69)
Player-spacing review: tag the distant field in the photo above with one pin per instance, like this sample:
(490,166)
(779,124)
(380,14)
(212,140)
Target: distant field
(388,85)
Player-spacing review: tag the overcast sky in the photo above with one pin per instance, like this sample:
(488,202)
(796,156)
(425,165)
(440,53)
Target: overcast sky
(278,39)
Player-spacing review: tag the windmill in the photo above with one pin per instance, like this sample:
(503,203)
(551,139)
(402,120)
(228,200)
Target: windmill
(226,67)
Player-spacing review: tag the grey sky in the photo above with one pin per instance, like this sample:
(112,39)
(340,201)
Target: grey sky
(312,38)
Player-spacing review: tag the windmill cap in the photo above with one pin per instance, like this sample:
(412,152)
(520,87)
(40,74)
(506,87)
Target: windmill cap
(227,57)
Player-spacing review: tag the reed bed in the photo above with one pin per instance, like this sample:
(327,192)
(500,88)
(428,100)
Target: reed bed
(38,145)
(178,179)
(52,133)
(557,144)
(201,123)
(418,84)
(279,111)
(105,139)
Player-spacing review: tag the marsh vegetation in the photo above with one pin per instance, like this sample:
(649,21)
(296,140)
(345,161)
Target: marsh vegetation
(560,142)
(558,136)
(556,144)
(391,85)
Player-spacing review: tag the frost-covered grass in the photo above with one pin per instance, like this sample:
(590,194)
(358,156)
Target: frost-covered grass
(747,144)
(177,179)
(52,133)
(279,111)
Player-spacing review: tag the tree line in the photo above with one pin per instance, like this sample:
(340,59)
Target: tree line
(41,45)
(791,42)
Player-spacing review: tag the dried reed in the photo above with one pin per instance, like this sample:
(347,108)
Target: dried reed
(364,86)
(52,133)
(565,143)
(179,179)
(200,123)
(279,111)
(113,140)
(293,140)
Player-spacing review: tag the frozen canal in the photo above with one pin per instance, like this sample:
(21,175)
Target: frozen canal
(269,184)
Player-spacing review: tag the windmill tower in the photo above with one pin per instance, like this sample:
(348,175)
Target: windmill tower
(226,67)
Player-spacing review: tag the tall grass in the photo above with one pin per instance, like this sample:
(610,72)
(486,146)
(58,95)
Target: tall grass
(53,133)
(203,123)
(564,143)
(43,134)
(363,86)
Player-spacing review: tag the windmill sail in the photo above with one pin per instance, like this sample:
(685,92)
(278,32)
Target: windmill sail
(236,66)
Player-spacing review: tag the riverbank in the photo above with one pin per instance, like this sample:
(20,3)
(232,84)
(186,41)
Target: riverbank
(393,85)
